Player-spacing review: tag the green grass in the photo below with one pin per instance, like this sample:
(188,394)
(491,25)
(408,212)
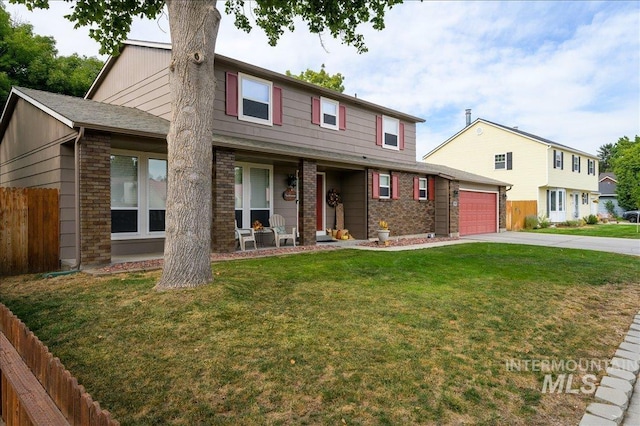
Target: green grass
(601,230)
(414,337)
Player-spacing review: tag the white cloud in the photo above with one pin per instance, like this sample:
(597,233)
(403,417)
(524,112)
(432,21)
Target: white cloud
(566,71)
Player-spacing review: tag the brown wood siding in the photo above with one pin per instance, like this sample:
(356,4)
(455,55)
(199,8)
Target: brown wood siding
(354,198)
(139,78)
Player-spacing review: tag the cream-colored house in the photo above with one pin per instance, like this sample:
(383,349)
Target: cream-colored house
(562,180)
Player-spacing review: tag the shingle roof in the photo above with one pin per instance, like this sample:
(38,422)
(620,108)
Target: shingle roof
(607,186)
(78,112)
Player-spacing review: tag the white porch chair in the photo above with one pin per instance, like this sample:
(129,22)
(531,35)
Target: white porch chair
(277,225)
(244,236)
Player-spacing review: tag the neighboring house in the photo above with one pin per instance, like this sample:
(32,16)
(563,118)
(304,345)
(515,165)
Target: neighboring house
(562,180)
(271,130)
(607,185)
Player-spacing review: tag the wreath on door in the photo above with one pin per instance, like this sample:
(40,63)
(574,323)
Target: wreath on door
(333,198)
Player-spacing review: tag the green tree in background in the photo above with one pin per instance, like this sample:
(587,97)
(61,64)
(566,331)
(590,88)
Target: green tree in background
(31,60)
(194,30)
(626,166)
(321,78)
(604,156)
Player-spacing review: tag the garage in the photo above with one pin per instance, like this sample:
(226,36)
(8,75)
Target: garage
(478,212)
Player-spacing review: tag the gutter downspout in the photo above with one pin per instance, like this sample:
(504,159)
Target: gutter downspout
(76,154)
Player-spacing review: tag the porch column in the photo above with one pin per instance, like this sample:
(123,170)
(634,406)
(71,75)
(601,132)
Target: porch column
(307,203)
(223,201)
(95,199)
(502,213)
(454,208)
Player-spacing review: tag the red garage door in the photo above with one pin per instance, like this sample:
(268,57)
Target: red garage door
(478,213)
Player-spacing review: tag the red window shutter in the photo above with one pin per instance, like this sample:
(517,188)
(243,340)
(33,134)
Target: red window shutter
(315,111)
(343,117)
(395,187)
(232,94)
(416,188)
(401,136)
(375,186)
(277,106)
(431,189)
(379,130)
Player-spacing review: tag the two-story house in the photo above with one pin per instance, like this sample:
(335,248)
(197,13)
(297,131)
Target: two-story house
(563,181)
(281,145)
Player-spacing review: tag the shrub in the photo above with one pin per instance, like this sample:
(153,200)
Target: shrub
(573,223)
(611,208)
(531,222)
(592,219)
(543,221)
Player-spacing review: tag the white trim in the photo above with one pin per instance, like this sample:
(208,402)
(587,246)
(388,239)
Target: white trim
(324,204)
(143,201)
(397,132)
(495,162)
(246,191)
(42,107)
(426,189)
(380,186)
(337,105)
(249,118)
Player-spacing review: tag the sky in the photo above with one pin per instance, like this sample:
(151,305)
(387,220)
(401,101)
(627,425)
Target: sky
(568,71)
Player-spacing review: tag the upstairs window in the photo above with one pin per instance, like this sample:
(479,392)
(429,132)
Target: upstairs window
(558,160)
(575,163)
(591,165)
(390,133)
(329,113)
(500,161)
(255,100)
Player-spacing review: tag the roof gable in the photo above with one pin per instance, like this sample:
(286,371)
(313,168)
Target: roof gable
(526,135)
(77,112)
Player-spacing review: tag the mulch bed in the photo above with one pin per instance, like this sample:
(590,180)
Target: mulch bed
(399,242)
(149,265)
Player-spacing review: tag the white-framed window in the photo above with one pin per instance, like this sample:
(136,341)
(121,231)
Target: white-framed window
(500,161)
(422,188)
(585,198)
(255,99)
(385,186)
(576,163)
(558,159)
(253,194)
(329,113)
(390,133)
(138,194)
(591,164)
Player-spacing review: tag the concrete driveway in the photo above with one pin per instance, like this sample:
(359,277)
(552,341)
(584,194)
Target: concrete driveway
(612,245)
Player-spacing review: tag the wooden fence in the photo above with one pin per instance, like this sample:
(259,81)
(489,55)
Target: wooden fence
(517,211)
(29,230)
(35,388)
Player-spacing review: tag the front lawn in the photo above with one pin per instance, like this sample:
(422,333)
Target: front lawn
(600,230)
(341,337)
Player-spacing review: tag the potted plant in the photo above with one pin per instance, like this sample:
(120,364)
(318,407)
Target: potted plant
(383,232)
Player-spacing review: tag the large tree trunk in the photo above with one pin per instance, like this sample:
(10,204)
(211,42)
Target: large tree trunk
(194,29)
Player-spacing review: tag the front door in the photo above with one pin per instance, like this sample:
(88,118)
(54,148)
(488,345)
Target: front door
(576,205)
(320,211)
(557,205)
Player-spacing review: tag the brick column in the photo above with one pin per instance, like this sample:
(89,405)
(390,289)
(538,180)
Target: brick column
(307,207)
(223,201)
(502,205)
(95,199)
(454,209)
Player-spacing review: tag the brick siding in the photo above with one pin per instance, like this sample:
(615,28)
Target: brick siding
(405,215)
(95,199)
(223,201)
(454,209)
(502,205)
(307,210)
